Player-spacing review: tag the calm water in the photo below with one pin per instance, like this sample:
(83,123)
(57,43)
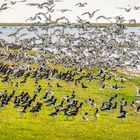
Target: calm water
(5,31)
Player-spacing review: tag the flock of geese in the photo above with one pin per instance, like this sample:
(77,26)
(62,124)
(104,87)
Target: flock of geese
(86,46)
(107,48)
(16,76)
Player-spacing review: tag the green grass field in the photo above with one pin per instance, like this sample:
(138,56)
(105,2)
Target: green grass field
(14,126)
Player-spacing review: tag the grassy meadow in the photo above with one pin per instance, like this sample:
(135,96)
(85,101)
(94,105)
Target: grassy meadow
(17,126)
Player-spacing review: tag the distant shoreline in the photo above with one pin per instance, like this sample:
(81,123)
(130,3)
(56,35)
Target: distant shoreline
(39,24)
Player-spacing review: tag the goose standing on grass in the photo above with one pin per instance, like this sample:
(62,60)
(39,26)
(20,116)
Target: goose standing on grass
(58,85)
(93,104)
(52,103)
(102,86)
(45,97)
(66,113)
(50,100)
(122,113)
(24,110)
(50,86)
(133,104)
(85,117)
(54,114)
(96,114)
(60,106)
(115,106)
(37,108)
(138,101)
(83,86)
(138,109)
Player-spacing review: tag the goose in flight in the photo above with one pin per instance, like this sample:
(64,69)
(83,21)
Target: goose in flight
(14,2)
(81,4)
(50,8)
(79,20)
(4,7)
(64,10)
(99,17)
(38,16)
(119,19)
(136,7)
(126,9)
(62,18)
(42,5)
(91,14)
(33,4)
(16,32)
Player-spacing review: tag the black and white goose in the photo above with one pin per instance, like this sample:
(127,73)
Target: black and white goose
(85,117)
(54,114)
(122,113)
(96,114)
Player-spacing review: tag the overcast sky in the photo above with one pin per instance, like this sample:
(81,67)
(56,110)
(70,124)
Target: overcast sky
(107,8)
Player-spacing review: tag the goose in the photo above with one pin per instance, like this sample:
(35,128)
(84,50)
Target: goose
(4,7)
(96,114)
(58,85)
(93,104)
(60,106)
(122,113)
(138,109)
(50,86)
(54,114)
(52,103)
(106,18)
(115,106)
(66,113)
(85,117)
(91,14)
(81,4)
(83,86)
(136,7)
(37,108)
(64,10)
(50,100)
(126,9)
(133,104)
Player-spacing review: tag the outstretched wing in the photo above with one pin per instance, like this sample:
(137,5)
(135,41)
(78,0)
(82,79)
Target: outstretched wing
(95,11)
(86,13)
(3,5)
(77,4)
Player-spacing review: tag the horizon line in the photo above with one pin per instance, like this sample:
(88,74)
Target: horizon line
(37,24)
